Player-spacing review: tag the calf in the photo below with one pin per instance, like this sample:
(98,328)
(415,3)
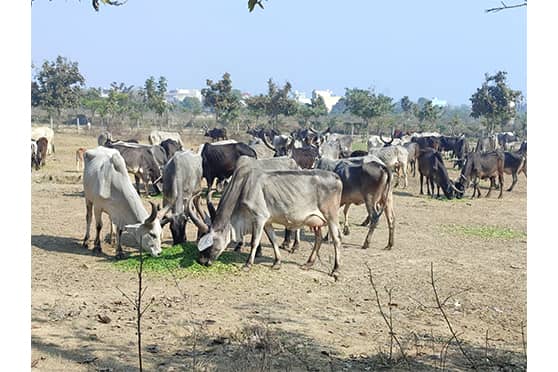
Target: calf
(481,165)
(42,149)
(79,159)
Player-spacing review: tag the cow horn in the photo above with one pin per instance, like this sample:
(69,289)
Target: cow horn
(386,143)
(264,137)
(454,188)
(153,214)
(195,219)
(210,206)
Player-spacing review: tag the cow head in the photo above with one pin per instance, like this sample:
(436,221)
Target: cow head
(148,233)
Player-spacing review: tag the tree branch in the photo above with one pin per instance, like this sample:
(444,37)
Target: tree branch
(504,6)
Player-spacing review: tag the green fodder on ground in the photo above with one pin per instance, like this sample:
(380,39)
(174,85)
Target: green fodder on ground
(487,232)
(360,145)
(181,260)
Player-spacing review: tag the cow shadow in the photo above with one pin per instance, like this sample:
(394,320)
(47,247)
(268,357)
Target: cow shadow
(77,194)
(63,244)
(404,193)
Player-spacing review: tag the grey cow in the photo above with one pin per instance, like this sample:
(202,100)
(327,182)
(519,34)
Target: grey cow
(107,188)
(255,199)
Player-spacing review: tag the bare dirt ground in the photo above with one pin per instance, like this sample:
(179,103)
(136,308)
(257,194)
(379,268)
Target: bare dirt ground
(290,319)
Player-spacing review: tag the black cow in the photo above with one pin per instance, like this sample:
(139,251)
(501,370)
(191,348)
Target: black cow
(216,134)
(358,153)
(460,151)
(504,138)
(261,132)
(432,167)
(170,146)
(514,163)
(427,141)
(141,162)
(40,157)
(483,166)
(219,161)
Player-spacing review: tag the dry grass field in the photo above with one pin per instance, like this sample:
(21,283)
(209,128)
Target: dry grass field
(290,319)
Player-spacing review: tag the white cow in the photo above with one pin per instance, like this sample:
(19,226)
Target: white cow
(158,136)
(46,132)
(108,189)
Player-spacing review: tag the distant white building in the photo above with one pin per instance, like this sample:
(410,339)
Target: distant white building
(327,95)
(300,97)
(178,95)
(439,102)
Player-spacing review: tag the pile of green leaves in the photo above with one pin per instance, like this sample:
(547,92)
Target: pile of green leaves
(181,260)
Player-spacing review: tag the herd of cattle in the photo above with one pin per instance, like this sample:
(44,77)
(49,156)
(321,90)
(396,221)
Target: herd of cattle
(294,180)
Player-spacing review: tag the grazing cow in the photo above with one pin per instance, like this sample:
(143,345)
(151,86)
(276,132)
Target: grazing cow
(182,177)
(365,180)
(487,144)
(481,165)
(158,136)
(79,158)
(140,161)
(216,133)
(46,132)
(170,146)
(34,162)
(514,163)
(396,158)
(219,161)
(107,188)
(42,150)
(279,163)
(414,151)
(431,166)
(255,199)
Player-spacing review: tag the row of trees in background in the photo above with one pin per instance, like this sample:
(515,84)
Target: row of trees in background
(59,86)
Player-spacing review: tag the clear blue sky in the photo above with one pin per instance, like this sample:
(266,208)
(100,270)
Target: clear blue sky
(417,48)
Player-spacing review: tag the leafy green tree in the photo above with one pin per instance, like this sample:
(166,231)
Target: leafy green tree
(278,102)
(192,104)
(255,107)
(366,104)
(222,100)
(494,101)
(427,113)
(91,100)
(58,86)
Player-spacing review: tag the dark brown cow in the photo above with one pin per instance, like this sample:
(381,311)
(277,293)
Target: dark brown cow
(481,165)
(42,146)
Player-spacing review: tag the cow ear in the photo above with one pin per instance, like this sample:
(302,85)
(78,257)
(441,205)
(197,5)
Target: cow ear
(205,242)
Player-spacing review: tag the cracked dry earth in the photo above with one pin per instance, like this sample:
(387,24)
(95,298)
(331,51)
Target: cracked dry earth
(289,319)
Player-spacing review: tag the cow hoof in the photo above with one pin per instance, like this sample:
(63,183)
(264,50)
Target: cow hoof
(97,250)
(119,256)
(276,265)
(346,230)
(335,275)
(365,246)
(306,266)
(388,247)
(246,267)
(294,248)
(284,246)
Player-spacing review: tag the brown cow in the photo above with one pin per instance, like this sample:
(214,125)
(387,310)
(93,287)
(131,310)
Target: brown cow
(79,158)
(42,146)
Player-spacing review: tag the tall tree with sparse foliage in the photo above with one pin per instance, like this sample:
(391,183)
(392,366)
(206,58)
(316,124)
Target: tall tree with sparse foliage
(494,101)
(154,95)
(57,86)
(278,102)
(427,114)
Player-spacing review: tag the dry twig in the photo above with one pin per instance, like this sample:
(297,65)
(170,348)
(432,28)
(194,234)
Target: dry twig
(504,6)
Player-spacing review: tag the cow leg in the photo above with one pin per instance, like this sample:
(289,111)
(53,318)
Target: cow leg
(271,236)
(296,243)
(405,180)
(366,221)
(492,181)
(390,217)
(88,214)
(98,226)
(119,253)
(315,249)
(334,230)
(346,230)
(501,181)
(137,184)
(286,240)
(421,178)
(431,180)
(514,181)
(414,166)
(257,230)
